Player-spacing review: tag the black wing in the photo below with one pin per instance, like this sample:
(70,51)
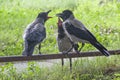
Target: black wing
(82,34)
(91,34)
(36,35)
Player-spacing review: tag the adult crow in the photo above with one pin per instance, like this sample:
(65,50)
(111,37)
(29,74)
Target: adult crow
(77,32)
(35,33)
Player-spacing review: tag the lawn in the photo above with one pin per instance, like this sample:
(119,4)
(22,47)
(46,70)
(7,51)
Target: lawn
(101,17)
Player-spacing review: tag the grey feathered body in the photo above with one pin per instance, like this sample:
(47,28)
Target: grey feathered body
(63,43)
(62,39)
(34,34)
(77,24)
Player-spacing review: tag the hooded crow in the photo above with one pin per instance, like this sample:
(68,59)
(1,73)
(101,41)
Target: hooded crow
(77,32)
(35,33)
(64,44)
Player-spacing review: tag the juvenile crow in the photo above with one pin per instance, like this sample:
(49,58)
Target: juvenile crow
(63,41)
(35,33)
(77,32)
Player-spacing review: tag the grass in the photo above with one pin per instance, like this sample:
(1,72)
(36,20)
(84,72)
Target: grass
(83,69)
(101,18)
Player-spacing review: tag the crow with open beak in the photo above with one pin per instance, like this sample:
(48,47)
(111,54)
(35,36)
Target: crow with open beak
(77,32)
(63,41)
(35,33)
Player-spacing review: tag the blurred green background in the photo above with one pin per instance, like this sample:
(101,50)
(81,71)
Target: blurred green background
(101,17)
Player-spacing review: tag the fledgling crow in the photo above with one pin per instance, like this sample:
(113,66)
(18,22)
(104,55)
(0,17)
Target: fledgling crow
(77,32)
(63,41)
(35,33)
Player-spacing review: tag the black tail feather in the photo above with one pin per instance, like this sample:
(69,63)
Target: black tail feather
(101,48)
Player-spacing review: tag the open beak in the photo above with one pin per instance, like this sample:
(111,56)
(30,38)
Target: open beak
(59,20)
(49,17)
(48,13)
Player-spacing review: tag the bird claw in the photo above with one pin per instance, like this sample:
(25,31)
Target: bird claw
(64,52)
(77,52)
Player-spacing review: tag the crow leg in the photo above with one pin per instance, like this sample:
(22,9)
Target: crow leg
(76,46)
(39,48)
(70,59)
(62,63)
(83,44)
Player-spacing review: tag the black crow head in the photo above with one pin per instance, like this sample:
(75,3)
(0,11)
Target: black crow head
(65,14)
(44,15)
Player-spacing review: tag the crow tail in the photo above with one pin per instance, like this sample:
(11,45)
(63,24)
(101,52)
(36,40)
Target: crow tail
(101,48)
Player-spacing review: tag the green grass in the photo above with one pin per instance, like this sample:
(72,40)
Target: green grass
(102,19)
(83,69)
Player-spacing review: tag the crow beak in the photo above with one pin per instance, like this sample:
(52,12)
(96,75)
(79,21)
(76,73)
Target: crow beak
(59,14)
(48,13)
(49,17)
(59,20)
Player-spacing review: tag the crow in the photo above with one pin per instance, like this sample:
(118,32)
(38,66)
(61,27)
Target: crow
(64,43)
(35,33)
(77,32)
